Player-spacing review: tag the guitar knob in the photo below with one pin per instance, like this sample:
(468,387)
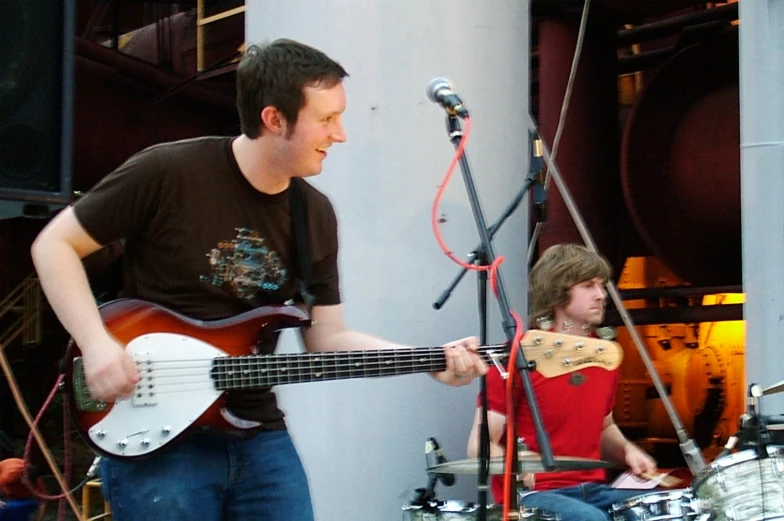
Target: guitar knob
(101,434)
(166,430)
(567,362)
(579,346)
(145,442)
(123,443)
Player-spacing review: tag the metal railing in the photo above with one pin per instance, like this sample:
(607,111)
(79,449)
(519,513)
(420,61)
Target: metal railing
(25,302)
(201,22)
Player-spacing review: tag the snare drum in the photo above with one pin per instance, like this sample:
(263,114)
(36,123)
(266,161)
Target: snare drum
(743,486)
(672,504)
(461,511)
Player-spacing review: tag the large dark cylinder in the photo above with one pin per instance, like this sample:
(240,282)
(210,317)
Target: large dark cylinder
(680,163)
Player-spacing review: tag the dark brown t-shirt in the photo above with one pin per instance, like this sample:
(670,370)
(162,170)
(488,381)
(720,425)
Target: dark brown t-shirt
(201,241)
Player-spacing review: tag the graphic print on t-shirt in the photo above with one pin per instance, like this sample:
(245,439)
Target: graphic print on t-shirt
(246,264)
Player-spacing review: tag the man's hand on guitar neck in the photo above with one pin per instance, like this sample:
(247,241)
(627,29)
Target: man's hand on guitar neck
(463,364)
(109,370)
(329,333)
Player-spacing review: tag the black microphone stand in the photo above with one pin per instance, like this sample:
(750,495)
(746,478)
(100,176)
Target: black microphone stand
(483,476)
(477,256)
(487,256)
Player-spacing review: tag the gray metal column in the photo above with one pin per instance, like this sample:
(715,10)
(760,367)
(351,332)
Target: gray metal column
(762,191)
(362,441)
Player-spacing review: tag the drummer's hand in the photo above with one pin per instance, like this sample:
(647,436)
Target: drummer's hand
(528,480)
(639,461)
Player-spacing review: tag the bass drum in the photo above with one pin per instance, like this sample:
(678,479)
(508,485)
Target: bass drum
(461,511)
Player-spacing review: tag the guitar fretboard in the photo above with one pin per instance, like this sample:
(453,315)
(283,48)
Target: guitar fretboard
(247,372)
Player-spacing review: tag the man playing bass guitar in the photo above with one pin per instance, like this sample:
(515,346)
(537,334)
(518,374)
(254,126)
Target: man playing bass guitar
(208,226)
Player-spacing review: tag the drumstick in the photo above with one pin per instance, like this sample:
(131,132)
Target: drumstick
(663,478)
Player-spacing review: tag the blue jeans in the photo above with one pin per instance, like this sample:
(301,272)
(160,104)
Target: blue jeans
(585,502)
(208,477)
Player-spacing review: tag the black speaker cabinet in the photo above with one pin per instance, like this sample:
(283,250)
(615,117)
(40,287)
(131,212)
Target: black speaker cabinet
(36,101)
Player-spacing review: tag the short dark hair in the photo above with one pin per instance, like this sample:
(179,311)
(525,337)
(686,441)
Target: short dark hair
(558,269)
(275,74)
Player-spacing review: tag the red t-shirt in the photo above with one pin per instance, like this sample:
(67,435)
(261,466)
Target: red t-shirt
(573,407)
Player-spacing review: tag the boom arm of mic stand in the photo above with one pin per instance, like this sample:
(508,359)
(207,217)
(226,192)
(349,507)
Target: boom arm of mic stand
(691,452)
(548,462)
(477,252)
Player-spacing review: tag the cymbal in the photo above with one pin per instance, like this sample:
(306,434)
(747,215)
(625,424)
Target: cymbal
(773,389)
(528,462)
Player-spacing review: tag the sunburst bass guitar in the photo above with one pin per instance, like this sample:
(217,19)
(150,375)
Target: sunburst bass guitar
(187,366)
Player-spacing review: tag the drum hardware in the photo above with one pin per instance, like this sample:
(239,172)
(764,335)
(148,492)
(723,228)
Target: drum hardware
(747,484)
(433,452)
(527,462)
(744,486)
(754,428)
(677,504)
(426,497)
(461,511)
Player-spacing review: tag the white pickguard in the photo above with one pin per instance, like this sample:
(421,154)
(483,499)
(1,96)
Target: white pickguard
(175,389)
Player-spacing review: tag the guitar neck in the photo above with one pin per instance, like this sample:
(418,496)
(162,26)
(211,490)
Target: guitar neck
(248,372)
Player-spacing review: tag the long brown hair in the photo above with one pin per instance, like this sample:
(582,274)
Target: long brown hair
(558,269)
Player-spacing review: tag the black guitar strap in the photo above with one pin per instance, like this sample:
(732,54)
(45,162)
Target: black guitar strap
(299,232)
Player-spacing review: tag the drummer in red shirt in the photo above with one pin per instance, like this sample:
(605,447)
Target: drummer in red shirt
(566,289)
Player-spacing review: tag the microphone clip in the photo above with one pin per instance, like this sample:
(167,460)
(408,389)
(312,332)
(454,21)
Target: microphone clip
(537,176)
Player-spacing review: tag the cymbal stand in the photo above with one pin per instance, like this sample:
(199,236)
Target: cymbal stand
(426,497)
(689,448)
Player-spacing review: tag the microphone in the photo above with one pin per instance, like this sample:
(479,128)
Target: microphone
(432,446)
(439,90)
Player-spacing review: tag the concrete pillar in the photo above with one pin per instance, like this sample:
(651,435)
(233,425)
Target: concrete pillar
(362,441)
(762,190)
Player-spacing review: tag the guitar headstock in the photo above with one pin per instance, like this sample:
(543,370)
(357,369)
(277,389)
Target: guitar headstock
(558,353)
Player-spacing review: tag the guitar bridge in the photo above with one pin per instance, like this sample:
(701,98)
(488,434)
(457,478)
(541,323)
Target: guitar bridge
(145,393)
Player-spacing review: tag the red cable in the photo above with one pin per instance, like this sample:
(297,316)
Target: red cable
(434,220)
(510,437)
(29,444)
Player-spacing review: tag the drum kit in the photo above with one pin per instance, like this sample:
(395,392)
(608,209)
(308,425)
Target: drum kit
(745,485)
